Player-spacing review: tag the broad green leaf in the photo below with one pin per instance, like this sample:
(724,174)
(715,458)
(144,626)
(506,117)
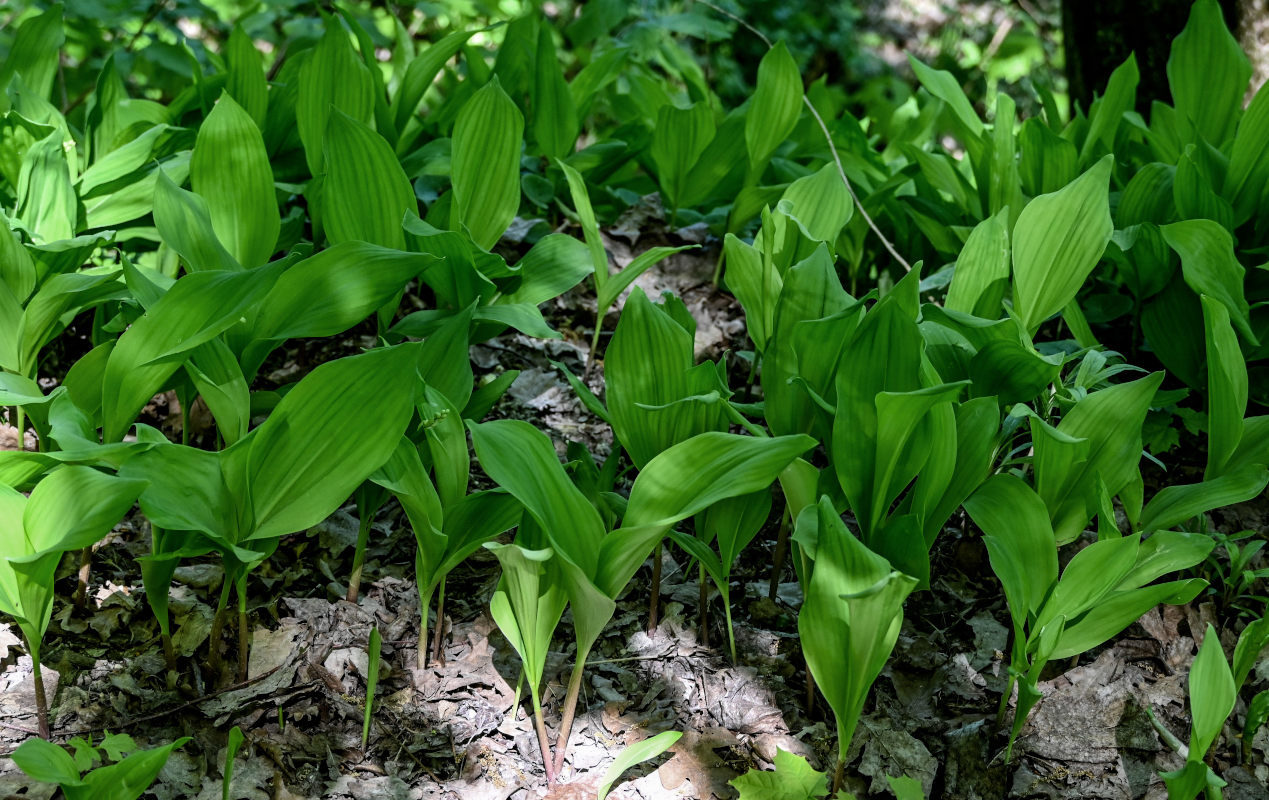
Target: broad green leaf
(683,481)
(522,460)
(527,605)
(246,82)
(185,225)
(555,122)
(1176,504)
(1019,541)
(982,270)
(422,72)
(774,108)
(678,140)
(756,284)
(649,366)
(230,171)
(288,466)
(944,86)
(1249,160)
(1109,109)
(1119,610)
(185,490)
(46,762)
(793,779)
(1092,574)
(334,290)
(821,203)
(485,165)
(636,753)
(1226,388)
(554,265)
(1147,197)
(46,198)
(35,52)
(365,195)
(57,301)
(196,309)
(1210,267)
(850,619)
(1194,190)
(219,380)
(1110,420)
(76,506)
(1212,694)
(331,78)
(17,269)
(1057,241)
(1208,73)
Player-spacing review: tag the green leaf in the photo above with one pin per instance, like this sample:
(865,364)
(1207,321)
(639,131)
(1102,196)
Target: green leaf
(850,619)
(1226,388)
(636,753)
(1208,73)
(231,749)
(756,284)
(185,225)
(35,52)
(527,605)
(76,506)
(678,140)
(982,270)
(821,203)
(590,227)
(774,109)
(334,290)
(422,72)
(219,380)
(1057,241)
(1110,421)
(1176,504)
(46,762)
(1117,611)
(247,82)
(946,87)
(555,123)
(1249,160)
(554,265)
(331,78)
(1109,110)
(1019,541)
(372,682)
(1212,694)
(649,367)
(616,284)
(195,310)
(288,465)
(485,165)
(1210,267)
(366,194)
(46,198)
(230,170)
(683,481)
(792,779)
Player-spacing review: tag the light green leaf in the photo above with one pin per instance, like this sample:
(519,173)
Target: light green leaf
(1210,267)
(366,194)
(792,779)
(332,78)
(230,170)
(636,753)
(185,225)
(1208,73)
(486,165)
(678,140)
(555,121)
(774,109)
(1057,241)
(246,83)
(1212,694)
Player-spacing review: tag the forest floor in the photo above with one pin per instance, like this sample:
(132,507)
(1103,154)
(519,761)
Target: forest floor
(452,731)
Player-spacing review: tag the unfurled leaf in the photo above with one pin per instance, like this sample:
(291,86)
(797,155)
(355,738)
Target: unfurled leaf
(680,137)
(1208,73)
(185,224)
(636,753)
(486,165)
(365,195)
(774,109)
(1057,241)
(230,171)
(332,77)
(555,121)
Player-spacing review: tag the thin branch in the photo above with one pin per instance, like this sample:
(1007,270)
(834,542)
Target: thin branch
(832,148)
